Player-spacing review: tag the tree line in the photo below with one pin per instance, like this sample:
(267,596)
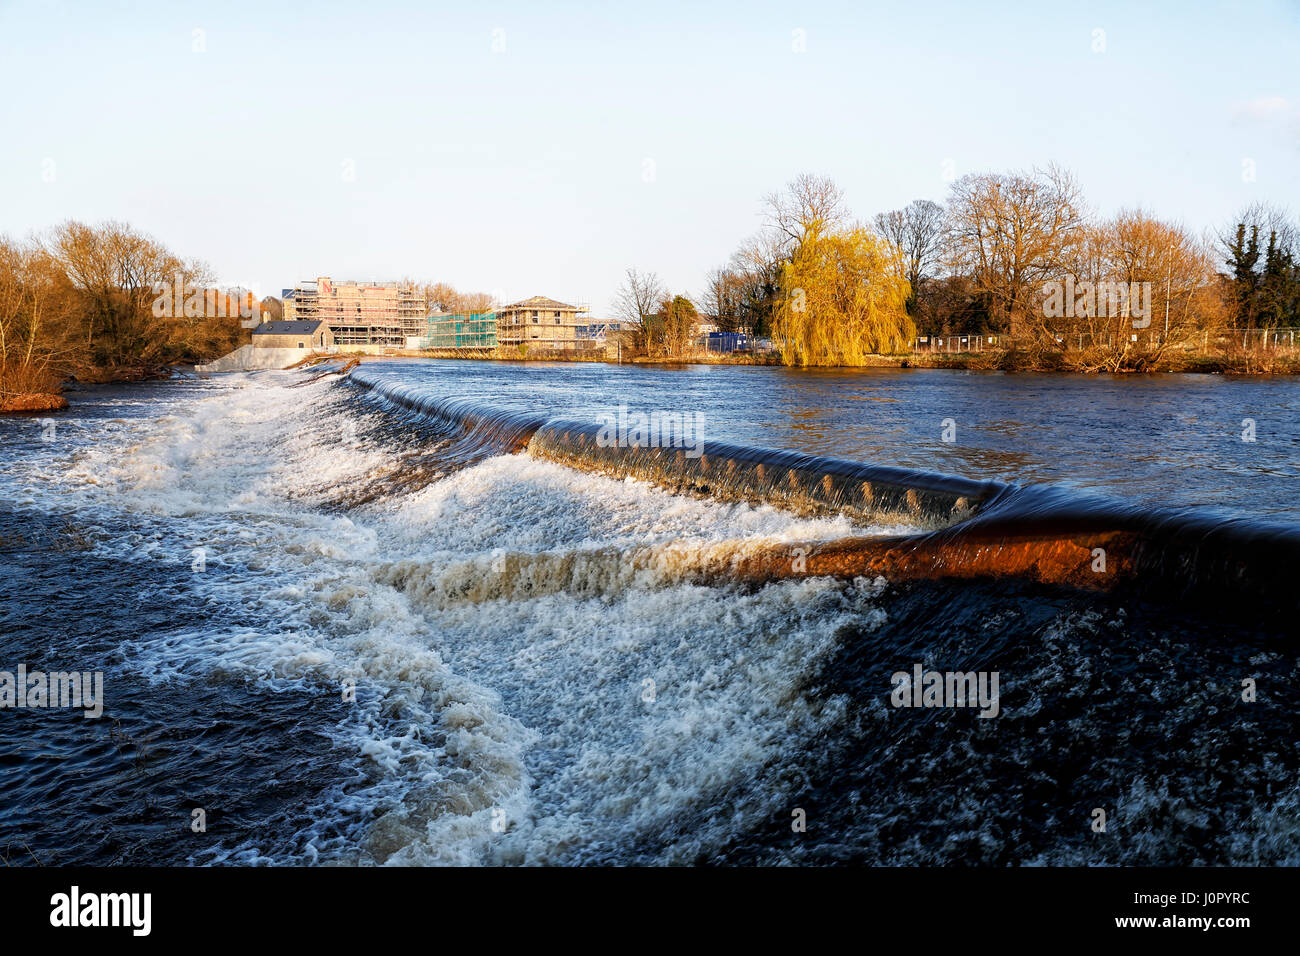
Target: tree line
(1017,256)
(84,301)
(107,301)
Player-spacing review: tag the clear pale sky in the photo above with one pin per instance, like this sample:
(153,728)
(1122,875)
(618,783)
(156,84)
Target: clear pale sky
(542,148)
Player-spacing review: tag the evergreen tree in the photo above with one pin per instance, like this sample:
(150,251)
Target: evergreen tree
(1243,257)
(1279,286)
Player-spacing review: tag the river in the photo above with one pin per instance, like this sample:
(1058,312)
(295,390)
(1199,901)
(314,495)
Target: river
(334,627)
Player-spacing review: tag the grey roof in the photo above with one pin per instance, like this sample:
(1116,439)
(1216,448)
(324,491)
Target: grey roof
(541,302)
(300,327)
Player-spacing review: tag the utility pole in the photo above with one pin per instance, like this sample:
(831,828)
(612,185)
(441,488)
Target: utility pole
(1169,284)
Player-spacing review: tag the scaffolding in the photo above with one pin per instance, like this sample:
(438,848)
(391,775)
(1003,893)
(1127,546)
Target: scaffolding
(360,313)
(462,330)
(540,322)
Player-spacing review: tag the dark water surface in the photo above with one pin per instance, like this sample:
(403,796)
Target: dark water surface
(1159,439)
(299,601)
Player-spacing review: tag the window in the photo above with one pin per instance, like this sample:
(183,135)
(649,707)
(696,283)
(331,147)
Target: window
(557,316)
(301,346)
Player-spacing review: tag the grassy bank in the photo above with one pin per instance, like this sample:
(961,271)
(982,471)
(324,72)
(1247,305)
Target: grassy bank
(1245,362)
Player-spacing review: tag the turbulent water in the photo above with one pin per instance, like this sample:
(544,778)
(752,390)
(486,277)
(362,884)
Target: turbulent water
(358,630)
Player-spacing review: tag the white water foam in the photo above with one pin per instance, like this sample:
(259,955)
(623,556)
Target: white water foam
(525,695)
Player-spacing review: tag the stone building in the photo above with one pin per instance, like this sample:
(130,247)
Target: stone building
(540,323)
(296,334)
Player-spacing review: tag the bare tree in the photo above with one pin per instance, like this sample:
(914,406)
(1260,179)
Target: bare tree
(272,307)
(30,297)
(757,268)
(1264,219)
(475,303)
(1136,272)
(117,270)
(637,300)
(1012,232)
(917,229)
(722,297)
(806,203)
(442,297)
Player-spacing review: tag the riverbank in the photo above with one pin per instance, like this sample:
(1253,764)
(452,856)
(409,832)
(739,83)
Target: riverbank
(1262,362)
(45,395)
(31,402)
(1244,363)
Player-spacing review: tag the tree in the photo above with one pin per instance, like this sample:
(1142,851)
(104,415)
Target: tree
(1279,285)
(677,321)
(1134,273)
(807,203)
(117,271)
(722,298)
(950,305)
(1242,259)
(1263,284)
(107,295)
(843,297)
(33,305)
(636,302)
(757,267)
(442,297)
(917,229)
(1011,233)
(272,307)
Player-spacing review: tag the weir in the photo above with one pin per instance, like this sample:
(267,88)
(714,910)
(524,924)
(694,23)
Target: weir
(967,529)
(802,483)
(492,428)
(1238,572)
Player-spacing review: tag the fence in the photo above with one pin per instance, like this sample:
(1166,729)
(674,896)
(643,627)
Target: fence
(971,342)
(1279,340)
(725,342)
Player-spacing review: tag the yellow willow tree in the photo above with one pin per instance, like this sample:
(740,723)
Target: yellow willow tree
(843,297)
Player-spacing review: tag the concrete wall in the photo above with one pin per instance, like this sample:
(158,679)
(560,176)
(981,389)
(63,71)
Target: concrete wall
(291,340)
(246,358)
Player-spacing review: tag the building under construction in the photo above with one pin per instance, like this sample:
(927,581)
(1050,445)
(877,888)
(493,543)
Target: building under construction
(540,323)
(462,330)
(359,313)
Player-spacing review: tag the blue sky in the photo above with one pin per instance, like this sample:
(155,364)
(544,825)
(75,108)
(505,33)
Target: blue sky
(542,148)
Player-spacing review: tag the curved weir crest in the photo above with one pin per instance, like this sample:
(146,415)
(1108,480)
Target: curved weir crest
(966,528)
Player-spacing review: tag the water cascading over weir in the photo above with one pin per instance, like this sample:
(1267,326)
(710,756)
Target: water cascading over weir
(966,529)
